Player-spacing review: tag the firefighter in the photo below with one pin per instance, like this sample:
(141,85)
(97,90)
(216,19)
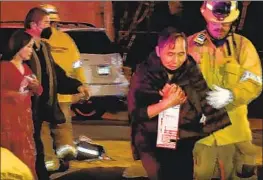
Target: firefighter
(15,169)
(67,56)
(232,69)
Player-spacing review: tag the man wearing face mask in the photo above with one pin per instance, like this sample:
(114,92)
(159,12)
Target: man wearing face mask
(53,80)
(67,56)
(232,69)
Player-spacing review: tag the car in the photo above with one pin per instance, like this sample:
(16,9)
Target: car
(103,67)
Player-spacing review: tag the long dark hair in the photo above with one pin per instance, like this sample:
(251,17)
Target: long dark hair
(17,41)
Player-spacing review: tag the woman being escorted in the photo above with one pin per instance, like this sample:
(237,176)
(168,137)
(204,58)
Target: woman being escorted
(18,84)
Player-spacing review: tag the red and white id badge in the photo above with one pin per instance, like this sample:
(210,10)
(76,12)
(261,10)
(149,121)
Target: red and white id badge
(167,132)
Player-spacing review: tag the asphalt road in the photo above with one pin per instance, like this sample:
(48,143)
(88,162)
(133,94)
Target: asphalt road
(117,129)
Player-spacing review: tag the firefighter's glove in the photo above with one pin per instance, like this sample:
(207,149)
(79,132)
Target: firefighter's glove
(219,97)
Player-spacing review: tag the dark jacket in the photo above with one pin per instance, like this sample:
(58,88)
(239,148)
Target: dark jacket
(150,77)
(58,81)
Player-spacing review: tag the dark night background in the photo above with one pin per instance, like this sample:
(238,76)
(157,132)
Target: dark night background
(190,21)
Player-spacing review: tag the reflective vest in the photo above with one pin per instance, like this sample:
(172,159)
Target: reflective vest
(66,55)
(236,66)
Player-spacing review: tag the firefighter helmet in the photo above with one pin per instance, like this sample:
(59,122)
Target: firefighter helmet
(52,11)
(220,11)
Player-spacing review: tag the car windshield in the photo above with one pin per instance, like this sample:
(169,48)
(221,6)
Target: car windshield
(93,42)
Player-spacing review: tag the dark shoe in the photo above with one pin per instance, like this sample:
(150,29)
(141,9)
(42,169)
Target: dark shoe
(69,157)
(64,166)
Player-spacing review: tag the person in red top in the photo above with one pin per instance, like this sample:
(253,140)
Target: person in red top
(18,84)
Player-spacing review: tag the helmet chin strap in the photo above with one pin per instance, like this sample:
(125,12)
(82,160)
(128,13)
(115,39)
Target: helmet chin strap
(219,42)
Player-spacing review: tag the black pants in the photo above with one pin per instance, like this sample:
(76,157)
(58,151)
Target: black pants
(167,164)
(41,170)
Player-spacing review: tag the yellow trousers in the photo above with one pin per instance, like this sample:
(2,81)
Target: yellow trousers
(59,136)
(228,162)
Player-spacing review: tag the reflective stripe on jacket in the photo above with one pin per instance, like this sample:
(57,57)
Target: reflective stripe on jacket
(235,66)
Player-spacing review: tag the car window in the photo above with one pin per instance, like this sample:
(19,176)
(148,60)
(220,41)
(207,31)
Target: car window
(93,42)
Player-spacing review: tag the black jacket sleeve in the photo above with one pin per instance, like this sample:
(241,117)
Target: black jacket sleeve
(216,119)
(65,84)
(137,111)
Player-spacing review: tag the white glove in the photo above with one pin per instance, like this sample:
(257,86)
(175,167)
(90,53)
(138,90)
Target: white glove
(219,97)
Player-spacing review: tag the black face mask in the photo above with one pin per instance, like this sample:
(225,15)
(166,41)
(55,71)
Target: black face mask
(46,33)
